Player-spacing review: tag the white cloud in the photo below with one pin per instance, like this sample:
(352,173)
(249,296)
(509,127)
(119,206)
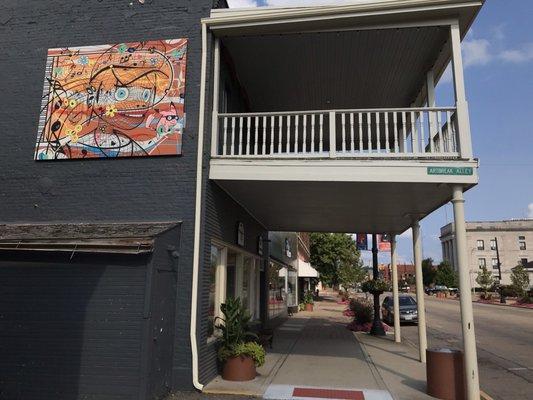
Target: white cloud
(476,52)
(242,3)
(408,234)
(517,56)
(530,210)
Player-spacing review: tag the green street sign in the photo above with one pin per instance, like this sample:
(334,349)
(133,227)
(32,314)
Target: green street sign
(450,171)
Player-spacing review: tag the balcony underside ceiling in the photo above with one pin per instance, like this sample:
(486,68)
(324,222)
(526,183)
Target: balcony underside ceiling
(336,70)
(337,206)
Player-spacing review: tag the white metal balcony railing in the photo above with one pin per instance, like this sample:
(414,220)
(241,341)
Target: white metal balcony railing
(401,132)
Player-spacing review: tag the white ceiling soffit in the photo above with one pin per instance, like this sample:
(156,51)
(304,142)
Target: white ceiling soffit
(335,70)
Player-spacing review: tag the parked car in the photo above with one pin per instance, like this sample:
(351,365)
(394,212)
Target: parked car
(408,309)
(437,288)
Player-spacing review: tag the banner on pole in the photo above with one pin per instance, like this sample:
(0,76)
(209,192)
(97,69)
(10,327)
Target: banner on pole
(362,241)
(384,242)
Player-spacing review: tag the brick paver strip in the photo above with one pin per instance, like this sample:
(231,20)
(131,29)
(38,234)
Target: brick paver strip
(329,394)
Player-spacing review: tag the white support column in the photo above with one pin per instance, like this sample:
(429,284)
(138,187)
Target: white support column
(395,295)
(467,313)
(417,252)
(216,90)
(463,119)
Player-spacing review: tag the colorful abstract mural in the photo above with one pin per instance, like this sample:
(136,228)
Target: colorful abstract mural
(123,100)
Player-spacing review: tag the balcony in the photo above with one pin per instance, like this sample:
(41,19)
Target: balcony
(326,119)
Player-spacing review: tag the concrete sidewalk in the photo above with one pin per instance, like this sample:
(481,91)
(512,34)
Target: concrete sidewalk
(315,356)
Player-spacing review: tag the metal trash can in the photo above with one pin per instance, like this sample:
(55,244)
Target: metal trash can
(444,371)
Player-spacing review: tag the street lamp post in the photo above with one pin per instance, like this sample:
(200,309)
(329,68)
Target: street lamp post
(377,327)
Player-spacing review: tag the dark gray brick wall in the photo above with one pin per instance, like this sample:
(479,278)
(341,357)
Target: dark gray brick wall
(147,189)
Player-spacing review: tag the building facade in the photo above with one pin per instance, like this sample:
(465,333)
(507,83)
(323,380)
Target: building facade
(221,125)
(509,242)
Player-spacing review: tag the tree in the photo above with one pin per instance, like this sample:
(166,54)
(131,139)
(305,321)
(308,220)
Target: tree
(520,280)
(331,252)
(445,275)
(428,272)
(485,280)
(350,275)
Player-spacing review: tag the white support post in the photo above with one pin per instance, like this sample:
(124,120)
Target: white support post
(216,90)
(465,297)
(332,135)
(417,247)
(395,295)
(463,119)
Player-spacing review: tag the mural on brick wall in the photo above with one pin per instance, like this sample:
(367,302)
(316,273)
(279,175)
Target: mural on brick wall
(123,100)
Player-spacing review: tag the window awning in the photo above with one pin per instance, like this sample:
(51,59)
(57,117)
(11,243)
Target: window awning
(305,270)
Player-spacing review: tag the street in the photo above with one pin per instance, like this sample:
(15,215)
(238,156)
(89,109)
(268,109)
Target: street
(504,344)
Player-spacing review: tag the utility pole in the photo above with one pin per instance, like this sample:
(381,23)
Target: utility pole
(377,327)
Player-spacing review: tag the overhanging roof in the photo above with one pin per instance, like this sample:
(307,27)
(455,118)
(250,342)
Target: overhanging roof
(125,238)
(363,14)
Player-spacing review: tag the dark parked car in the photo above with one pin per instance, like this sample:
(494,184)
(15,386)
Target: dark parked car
(408,310)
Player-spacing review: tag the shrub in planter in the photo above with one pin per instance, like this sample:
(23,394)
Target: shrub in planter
(308,301)
(375,286)
(238,350)
(363,311)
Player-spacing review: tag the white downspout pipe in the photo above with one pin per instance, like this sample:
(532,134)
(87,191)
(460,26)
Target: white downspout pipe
(198,214)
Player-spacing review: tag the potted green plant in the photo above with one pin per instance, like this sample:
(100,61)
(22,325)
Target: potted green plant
(308,301)
(239,352)
(375,286)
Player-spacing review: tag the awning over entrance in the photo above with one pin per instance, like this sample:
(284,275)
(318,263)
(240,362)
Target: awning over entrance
(305,270)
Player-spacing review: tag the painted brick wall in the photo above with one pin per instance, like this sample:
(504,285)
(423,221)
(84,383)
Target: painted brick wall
(146,189)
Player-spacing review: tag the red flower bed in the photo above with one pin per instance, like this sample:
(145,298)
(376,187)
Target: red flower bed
(354,326)
(348,313)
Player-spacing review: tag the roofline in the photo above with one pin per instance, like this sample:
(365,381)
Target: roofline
(269,15)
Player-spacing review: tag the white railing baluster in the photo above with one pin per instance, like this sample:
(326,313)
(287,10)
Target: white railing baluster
(256,136)
(272,130)
(422,135)
(352,144)
(321,133)
(387,142)
(312,133)
(296,119)
(404,131)
(288,144)
(263,147)
(280,133)
(240,136)
(439,124)
(449,132)
(369,131)
(304,140)
(454,136)
(343,122)
(432,130)
(360,119)
(233,119)
(378,133)
(225,145)
(248,136)
(414,139)
(395,122)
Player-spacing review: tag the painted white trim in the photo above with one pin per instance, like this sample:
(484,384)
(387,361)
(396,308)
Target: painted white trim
(198,215)
(339,170)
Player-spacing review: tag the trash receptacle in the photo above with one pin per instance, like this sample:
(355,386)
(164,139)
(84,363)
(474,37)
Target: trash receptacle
(445,377)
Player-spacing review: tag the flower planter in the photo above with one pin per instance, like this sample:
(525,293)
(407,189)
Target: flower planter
(239,369)
(308,307)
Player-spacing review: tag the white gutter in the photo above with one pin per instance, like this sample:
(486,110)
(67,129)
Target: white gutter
(198,214)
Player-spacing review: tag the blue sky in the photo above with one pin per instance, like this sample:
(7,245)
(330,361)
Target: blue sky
(498,57)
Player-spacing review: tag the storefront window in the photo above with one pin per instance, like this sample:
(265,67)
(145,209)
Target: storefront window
(292,301)
(215,262)
(277,297)
(246,289)
(231,270)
